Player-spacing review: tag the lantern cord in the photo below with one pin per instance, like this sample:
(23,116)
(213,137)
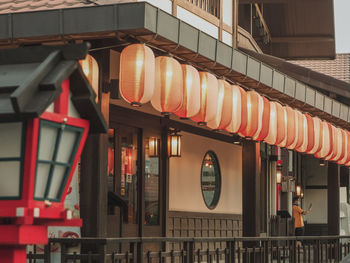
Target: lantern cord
(108,47)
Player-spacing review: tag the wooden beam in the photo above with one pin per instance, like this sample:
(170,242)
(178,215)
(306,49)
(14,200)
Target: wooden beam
(251,163)
(333,198)
(302,39)
(235,23)
(261,17)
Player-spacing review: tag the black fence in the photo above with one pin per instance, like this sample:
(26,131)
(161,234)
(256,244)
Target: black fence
(188,250)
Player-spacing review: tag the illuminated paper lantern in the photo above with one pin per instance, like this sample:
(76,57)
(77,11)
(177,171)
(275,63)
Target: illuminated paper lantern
(310,133)
(318,135)
(168,90)
(265,121)
(239,110)
(255,108)
(301,125)
(224,107)
(277,125)
(336,153)
(344,155)
(326,147)
(208,98)
(137,74)
(347,161)
(303,132)
(90,68)
(191,93)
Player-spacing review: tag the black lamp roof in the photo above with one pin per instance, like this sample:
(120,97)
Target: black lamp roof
(31,78)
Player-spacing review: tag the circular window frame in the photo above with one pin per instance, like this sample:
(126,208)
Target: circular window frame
(217,193)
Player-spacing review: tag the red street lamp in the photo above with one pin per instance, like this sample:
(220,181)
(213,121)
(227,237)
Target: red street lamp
(40,145)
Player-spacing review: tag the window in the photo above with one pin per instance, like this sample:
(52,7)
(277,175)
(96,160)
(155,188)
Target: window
(210,6)
(58,144)
(211,180)
(11,159)
(151,188)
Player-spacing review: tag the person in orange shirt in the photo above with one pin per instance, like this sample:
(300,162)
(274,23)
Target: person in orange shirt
(298,213)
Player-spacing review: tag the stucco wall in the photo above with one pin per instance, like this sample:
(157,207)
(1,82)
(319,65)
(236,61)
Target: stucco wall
(185,182)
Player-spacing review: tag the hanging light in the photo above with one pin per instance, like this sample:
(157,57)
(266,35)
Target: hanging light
(337,144)
(298,190)
(224,107)
(191,93)
(279,174)
(303,133)
(255,108)
(136,79)
(208,98)
(265,121)
(277,125)
(322,163)
(327,146)
(174,145)
(153,147)
(291,128)
(317,131)
(310,130)
(90,68)
(301,126)
(347,162)
(344,154)
(168,90)
(238,121)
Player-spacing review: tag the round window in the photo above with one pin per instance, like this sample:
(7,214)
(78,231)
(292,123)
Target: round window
(210,180)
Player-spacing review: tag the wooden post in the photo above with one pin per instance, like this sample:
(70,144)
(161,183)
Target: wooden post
(94,162)
(251,188)
(235,23)
(333,198)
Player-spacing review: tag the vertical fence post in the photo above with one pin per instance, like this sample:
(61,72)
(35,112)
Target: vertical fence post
(63,252)
(47,250)
(189,248)
(102,249)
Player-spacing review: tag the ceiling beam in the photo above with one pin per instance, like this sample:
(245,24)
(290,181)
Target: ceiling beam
(302,39)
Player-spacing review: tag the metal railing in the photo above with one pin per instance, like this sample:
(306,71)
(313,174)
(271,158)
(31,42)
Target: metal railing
(188,250)
(210,6)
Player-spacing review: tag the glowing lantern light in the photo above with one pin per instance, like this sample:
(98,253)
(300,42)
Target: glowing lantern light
(90,69)
(291,129)
(326,147)
(347,161)
(191,93)
(277,125)
(344,155)
(136,80)
(298,190)
(208,98)
(265,121)
(255,107)
(239,110)
(310,133)
(174,145)
(303,132)
(336,153)
(301,125)
(168,91)
(224,107)
(318,136)
(153,147)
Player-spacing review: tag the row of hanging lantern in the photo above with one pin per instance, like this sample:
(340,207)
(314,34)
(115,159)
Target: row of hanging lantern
(200,96)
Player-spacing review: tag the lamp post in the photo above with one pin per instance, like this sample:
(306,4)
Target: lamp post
(38,157)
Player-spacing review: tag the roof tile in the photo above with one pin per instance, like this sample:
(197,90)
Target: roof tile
(338,68)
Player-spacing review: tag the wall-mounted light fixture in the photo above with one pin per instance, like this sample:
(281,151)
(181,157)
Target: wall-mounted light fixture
(279,174)
(153,147)
(322,162)
(298,190)
(174,145)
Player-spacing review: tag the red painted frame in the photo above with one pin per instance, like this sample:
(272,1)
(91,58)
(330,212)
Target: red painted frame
(54,211)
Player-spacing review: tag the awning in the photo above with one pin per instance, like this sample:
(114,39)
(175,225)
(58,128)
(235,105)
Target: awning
(135,22)
(31,78)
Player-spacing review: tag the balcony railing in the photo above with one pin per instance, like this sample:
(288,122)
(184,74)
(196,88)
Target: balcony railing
(190,250)
(210,6)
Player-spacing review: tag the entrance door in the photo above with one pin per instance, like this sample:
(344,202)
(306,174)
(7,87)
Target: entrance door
(134,177)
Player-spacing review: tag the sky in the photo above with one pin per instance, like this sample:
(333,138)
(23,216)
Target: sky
(342,26)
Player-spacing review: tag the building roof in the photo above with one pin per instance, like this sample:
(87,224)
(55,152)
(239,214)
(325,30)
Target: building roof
(31,78)
(14,6)
(338,68)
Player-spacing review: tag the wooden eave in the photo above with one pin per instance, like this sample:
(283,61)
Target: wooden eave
(122,24)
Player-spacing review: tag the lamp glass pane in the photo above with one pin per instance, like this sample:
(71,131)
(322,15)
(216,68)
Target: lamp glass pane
(48,135)
(10,139)
(10,179)
(57,180)
(42,175)
(66,146)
